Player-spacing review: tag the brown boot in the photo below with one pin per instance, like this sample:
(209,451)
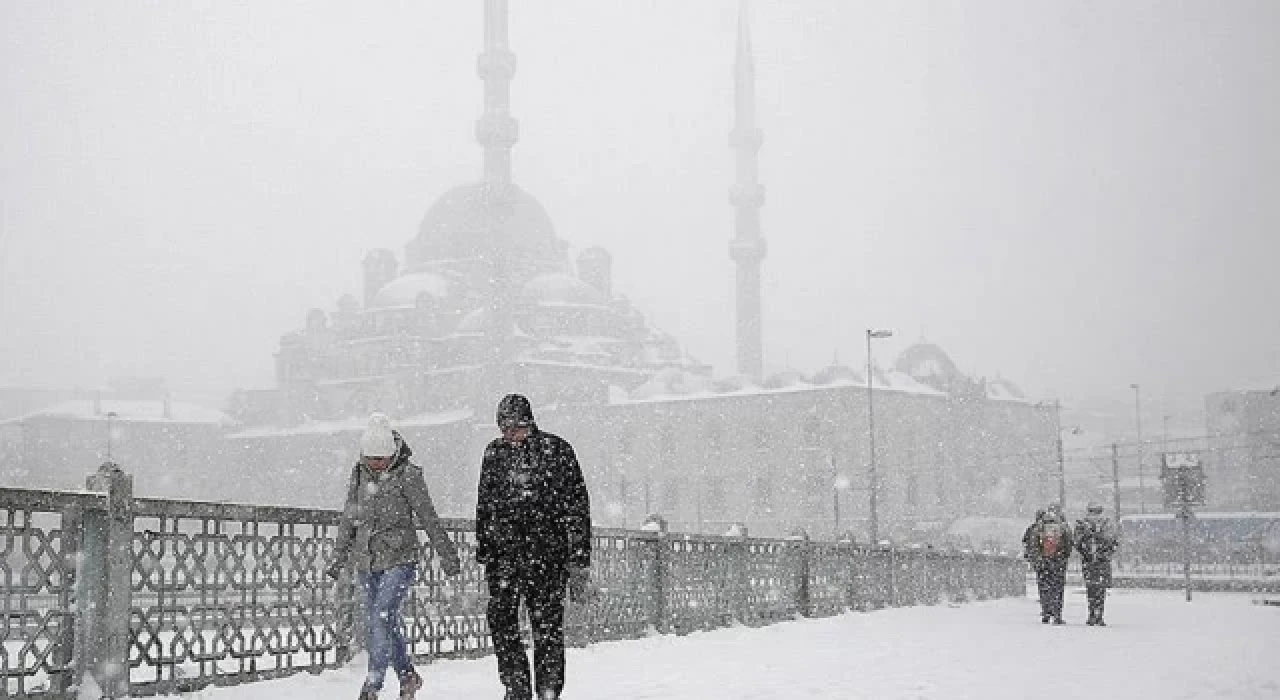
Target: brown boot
(410,684)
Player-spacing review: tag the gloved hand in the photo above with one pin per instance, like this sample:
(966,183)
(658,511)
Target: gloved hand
(579,582)
(334,571)
(451,565)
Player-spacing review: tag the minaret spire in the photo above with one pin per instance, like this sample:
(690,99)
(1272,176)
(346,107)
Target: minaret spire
(747,249)
(496,130)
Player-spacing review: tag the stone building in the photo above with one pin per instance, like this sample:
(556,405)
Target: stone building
(1242,464)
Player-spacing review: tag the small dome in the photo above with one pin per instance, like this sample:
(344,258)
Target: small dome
(405,290)
(928,364)
(837,373)
(782,380)
(463,222)
(560,290)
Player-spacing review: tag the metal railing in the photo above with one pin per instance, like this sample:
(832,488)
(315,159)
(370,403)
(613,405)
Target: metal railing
(147,597)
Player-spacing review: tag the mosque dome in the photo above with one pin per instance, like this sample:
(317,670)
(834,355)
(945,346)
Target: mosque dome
(929,365)
(561,290)
(406,289)
(462,223)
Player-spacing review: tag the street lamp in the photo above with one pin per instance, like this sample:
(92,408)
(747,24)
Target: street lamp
(1137,412)
(1056,404)
(871,433)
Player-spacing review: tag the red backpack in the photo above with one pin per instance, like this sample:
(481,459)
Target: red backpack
(1050,539)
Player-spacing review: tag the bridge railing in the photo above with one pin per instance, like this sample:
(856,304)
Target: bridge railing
(134,596)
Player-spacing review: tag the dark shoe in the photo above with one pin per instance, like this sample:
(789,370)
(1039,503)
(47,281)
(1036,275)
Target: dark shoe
(368,694)
(1044,619)
(1100,623)
(410,684)
(1058,621)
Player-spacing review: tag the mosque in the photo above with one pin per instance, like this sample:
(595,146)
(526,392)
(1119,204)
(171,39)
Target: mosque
(486,301)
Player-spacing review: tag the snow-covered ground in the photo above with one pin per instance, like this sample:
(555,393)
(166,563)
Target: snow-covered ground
(1156,646)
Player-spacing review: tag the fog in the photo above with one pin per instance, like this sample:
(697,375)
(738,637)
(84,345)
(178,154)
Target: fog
(1074,196)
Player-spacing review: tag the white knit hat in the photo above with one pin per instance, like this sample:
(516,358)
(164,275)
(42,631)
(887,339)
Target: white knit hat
(377,440)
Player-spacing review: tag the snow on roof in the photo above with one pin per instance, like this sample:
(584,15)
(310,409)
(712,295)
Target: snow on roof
(131,411)
(1004,390)
(357,424)
(676,385)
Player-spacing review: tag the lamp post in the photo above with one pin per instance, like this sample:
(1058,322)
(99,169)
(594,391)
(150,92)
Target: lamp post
(1062,462)
(1056,405)
(1137,414)
(871,438)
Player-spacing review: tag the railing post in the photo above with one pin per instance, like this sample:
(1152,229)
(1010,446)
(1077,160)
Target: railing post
(801,552)
(350,622)
(893,577)
(64,655)
(660,555)
(847,555)
(105,585)
(740,573)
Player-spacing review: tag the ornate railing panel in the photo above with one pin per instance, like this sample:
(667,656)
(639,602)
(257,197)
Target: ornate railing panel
(37,591)
(623,604)
(223,594)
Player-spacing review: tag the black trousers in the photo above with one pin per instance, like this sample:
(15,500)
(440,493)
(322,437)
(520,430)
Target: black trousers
(1097,600)
(1051,580)
(542,589)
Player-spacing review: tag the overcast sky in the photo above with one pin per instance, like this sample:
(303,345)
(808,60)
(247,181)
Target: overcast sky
(1075,196)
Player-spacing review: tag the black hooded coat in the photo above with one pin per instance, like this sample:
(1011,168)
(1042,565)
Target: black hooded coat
(532,506)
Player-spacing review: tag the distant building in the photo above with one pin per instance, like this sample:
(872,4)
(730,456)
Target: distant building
(1242,468)
(169,446)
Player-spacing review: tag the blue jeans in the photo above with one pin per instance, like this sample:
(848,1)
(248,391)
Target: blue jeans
(385,592)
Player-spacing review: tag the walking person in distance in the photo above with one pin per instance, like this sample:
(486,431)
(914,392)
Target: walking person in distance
(1096,540)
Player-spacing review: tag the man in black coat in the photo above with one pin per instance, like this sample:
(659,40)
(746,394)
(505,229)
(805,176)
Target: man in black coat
(533,532)
(1096,541)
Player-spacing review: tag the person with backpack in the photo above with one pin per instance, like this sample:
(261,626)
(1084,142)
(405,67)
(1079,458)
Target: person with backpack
(1096,540)
(1051,545)
(1029,543)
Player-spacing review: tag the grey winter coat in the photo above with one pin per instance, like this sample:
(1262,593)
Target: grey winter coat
(383,513)
(1096,540)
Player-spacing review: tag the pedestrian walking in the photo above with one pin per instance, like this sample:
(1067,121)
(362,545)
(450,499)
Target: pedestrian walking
(1097,541)
(533,533)
(1048,543)
(387,501)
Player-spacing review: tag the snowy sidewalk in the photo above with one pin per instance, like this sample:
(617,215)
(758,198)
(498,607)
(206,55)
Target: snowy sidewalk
(1156,646)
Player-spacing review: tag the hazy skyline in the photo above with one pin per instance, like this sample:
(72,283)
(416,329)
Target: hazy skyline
(1075,197)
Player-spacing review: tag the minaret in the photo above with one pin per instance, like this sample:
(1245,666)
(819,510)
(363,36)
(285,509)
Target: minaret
(747,248)
(496,130)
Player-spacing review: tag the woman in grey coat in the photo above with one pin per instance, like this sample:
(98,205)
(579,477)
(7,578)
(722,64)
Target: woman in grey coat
(387,502)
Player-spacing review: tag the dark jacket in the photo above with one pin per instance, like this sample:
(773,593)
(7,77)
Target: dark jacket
(532,505)
(1035,542)
(1096,541)
(383,512)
